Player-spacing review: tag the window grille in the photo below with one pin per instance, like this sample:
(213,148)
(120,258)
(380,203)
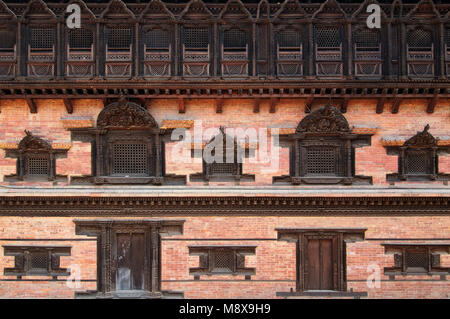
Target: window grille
(327,37)
(7,39)
(196,37)
(81,38)
(119,38)
(39,261)
(234,38)
(416,259)
(223,261)
(289,39)
(223,168)
(156,39)
(37,165)
(130,159)
(447,37)
(42,38)
(420,38)
(366,39)
(416,162)
(321,161)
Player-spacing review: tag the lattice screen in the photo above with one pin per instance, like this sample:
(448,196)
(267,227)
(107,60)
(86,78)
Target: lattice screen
(156,39)
(222,168)
(289,38)
(39,261)
(366,38)
(7,39)
(42,38)
(119,38)
(419,38)
(234,38)
(223,261)
(327,37)
(416,162)
(447,36)
(195,37)
(321,160)
(130,158)
(81,38)
(416,259)
(37,165)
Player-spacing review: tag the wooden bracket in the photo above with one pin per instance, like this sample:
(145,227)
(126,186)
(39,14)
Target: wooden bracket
(219,105)
(181,106)
(432,104)
(380,105)
(308,104)
(396,105)
(147,104)
(256,103)
(344,105)
(31,105)
(273,104)
(69,106)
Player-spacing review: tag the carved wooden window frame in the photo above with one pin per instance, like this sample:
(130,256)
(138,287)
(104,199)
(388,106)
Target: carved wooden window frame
(119,122)
(106,230)
(158,58)
(239,154)
(325,127)
(295,57)
(33,147)
(340,237)
(23,260)
(426,144)
(432,252)
(207,260)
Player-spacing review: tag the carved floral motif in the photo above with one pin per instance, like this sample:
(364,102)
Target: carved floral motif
(31,142)
(422,139)
(327,119)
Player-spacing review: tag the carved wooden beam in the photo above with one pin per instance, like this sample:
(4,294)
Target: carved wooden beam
(273,104)
(308,104)
(380,105)
(256,103)
(432,104)
(68,105)
(396,105)
(31,105)
(181,106)
(219,105)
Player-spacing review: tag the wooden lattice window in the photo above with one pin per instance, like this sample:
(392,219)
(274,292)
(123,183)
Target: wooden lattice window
(327,37)
(419,38)
(418,162)
(119,38)
(80,38)
(195,38)
(289,39)
(36,260)
(156,39)
(416,259)
(37,164)
(130,159)
(420,53)
(328,51)
(289,53)
(322,151)
(234,39)
(222,260)
(41,38)
(367,52)
(7,40)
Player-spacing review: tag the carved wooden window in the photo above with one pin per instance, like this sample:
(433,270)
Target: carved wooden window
(235,52)
(418,158)
(328,50)
(416,259)
(128,147)
(222,260)
(41,51)
(129,255)
(36,260)
(420,52)
(8,52)
(157,52)
(367,52)
(119,48)
(289,53)
(323,150)
(36,160)
(447,49)
(223,162)
(196,51)
(321,258)
(80,52)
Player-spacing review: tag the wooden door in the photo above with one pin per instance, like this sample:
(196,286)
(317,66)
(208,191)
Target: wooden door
(130,261)
(319,264)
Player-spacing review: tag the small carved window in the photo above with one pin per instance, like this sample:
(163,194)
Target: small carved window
(156,39)
(195,38)
(130,158)
(36,260)
(42,38)
(119,38)
(222,260)
(416,259)
(419,38)
(322,151)
(7,39)
(289,39)
(366,39)
(418,158)
(81,38)
(327,37)
(37,164)
(234,38)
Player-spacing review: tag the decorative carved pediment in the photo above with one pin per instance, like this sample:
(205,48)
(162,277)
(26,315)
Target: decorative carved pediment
(125,114)
(194,10)
(422,139)
(6,12)
(327,119)
(234,9)
(329,8)
(424,9)
(156,9)
(38,7)
(117,8)
(33,143)
(290,9)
